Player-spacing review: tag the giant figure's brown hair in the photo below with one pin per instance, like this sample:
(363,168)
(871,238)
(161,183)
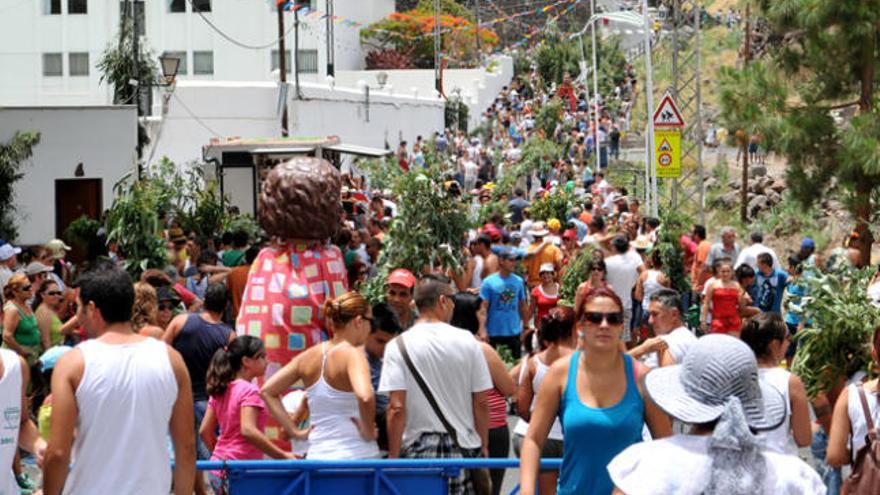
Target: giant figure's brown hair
(300,199)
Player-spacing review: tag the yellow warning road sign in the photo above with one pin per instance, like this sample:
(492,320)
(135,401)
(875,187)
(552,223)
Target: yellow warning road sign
(667,153)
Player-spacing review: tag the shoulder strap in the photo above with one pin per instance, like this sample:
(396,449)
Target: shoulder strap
(872,433)
(427,391)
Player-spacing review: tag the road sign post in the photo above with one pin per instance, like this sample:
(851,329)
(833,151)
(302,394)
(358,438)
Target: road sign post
(666,141)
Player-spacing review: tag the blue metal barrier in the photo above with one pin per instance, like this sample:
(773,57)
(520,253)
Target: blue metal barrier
(374,477)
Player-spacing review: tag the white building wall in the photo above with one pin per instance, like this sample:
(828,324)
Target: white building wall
(103,139)
(26,33)
(250,110)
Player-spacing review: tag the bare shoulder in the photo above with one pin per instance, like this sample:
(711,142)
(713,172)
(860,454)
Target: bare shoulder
(70,366)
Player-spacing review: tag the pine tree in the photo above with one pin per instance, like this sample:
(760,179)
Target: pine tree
(824,60)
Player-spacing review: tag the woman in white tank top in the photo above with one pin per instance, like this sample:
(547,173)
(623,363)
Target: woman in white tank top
(767,336)
(340,396)
(555,335)
(848,422)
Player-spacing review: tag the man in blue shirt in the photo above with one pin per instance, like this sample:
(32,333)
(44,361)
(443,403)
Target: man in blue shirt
(770,284)
(505,303)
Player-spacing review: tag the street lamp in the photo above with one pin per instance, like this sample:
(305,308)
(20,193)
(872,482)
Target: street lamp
(170,64)
(382,79)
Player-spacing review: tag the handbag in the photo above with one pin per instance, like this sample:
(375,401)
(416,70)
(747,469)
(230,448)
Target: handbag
(479,476)
(865,476)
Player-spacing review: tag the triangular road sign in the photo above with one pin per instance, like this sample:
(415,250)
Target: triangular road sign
(665,146)
(667,113)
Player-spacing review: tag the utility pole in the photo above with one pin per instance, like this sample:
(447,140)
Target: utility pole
(477,15)
(135,45)
(651,179)
(282,67)
(596,87)
(296,52)
(437,45)
(331,56)
(744,145)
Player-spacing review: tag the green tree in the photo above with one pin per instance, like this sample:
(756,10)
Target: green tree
(826,61)
(12,157)
(117,68)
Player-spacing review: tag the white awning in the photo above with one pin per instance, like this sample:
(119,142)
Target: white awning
(354,149)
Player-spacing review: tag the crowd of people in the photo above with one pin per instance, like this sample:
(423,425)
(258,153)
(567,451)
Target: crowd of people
(633,397)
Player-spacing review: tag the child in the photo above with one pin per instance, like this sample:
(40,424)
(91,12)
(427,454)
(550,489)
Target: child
(234,402)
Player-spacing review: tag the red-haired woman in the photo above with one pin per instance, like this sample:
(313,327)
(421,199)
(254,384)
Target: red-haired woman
(599,402)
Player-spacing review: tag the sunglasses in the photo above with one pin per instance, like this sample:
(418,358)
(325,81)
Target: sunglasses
(25,288)
(54,293)
(596,317)
(166,307)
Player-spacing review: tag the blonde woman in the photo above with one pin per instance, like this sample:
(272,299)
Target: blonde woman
(336,374)
(145,311)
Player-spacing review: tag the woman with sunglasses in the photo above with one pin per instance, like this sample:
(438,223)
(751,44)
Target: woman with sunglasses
(342,404)
(597,278)
(48,303)
(21,332)
(598,400)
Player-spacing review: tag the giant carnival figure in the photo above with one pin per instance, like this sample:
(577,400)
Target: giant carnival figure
(300,208)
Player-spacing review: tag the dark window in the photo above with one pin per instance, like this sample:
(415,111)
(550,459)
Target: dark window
(51,7)
(201,5)
(181,68)
(178,6)
(53,65)
(287,62)
(78,64)
(203,63)
(77,6)
(308,61)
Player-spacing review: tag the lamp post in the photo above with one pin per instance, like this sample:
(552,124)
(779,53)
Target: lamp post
(170,65)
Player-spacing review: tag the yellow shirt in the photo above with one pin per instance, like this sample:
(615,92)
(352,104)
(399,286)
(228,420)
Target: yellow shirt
(537,256)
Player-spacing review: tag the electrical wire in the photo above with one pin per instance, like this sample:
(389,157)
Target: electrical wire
(195,117)
(235,41)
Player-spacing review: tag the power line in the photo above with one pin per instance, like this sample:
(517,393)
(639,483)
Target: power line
(233,40)
(194,117)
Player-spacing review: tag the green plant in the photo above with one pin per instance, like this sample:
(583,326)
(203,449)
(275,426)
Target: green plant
(209,216)
(12,156)
(133,224)
(117,68)
(548,117)
(82,230)
(671,253)
(576,272)
(553,205)
(842,323)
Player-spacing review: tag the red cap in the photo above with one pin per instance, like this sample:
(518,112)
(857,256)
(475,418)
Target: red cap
(570,234)
(403,277)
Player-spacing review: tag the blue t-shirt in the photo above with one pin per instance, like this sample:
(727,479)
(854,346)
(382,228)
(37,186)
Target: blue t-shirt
(504,295)
(770,290)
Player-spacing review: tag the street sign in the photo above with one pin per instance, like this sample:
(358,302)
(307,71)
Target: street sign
(667,154)
(667,114)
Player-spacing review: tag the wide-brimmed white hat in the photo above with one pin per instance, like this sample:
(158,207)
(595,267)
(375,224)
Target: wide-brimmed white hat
(539,229)
(716,368)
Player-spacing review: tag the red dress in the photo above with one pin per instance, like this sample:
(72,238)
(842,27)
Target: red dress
(725,310)
(543,303)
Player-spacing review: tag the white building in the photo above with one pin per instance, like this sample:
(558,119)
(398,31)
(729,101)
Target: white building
(49,49)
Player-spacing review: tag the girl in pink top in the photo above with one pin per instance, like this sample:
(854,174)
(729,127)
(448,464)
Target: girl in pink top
(235,404)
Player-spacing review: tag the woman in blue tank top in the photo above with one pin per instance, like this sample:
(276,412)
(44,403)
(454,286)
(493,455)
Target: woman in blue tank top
(597,398)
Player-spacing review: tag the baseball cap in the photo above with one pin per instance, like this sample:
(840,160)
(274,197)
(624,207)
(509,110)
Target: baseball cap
(546,267)
(8,251)
(402,276)
(35,268)
(808,243)
(508,252)
(570,234)
(51,356)
(57,247)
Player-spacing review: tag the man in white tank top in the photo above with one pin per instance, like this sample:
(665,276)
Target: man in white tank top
(121,394)
(16,429)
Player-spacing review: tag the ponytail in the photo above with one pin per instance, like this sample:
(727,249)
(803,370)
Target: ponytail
(226,363)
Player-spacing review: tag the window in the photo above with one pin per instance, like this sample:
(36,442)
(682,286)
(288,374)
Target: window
(125,12)
(288,65)
(177,6)
(52,65)
(77,6)
(51,7)
(203,63)
(78,64)
(308,61)
(181,68)
(201,5)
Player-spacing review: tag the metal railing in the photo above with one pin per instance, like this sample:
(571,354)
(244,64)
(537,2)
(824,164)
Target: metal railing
(368,477)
